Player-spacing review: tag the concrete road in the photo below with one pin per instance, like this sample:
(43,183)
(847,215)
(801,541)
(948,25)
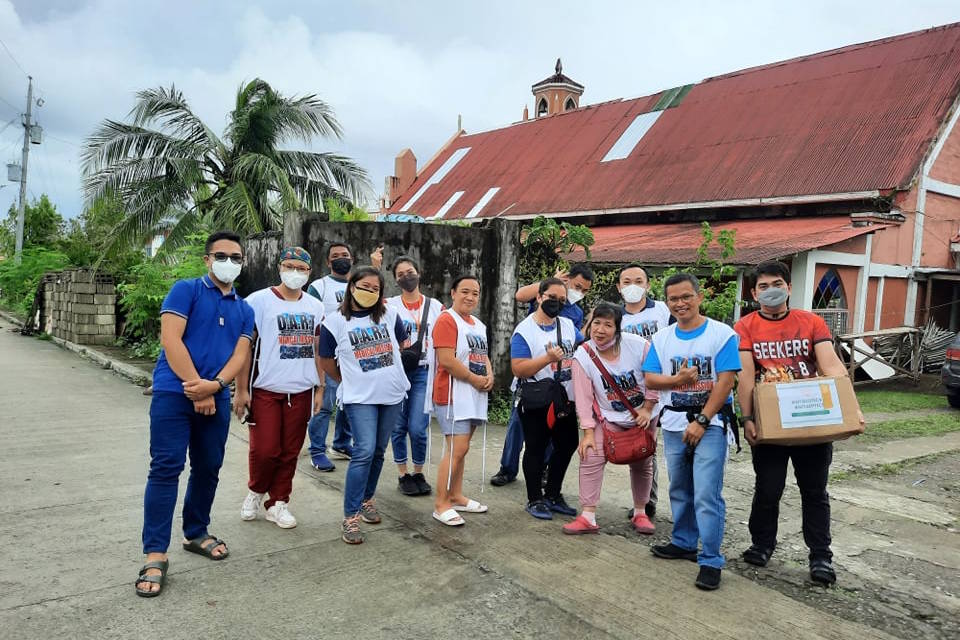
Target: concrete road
(73,463)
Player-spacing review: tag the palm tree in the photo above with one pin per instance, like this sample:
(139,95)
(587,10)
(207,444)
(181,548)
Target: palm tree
(168,167)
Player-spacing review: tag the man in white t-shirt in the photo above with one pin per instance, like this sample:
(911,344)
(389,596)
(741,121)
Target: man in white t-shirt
(276,391)
(642,316)
(694,364)
(329,290)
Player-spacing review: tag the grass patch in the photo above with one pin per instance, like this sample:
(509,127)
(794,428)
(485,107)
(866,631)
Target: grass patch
(882,401)
(885,469)
(931,425)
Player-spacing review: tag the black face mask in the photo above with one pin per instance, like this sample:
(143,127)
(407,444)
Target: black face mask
(550,307)
(341,266)
(409,283)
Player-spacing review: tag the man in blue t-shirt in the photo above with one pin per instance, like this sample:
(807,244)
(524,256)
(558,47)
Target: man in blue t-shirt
(578,280)
(206,330)
(694,365)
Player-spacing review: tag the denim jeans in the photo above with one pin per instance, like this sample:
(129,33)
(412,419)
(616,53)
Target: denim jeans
(412,421)
(372,425)
(319,424)
(175,430)
(696,493)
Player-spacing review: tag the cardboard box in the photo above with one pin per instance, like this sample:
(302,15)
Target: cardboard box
(807,411)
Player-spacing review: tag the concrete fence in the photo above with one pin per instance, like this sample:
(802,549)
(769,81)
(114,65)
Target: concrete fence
(489,251)
(79,305)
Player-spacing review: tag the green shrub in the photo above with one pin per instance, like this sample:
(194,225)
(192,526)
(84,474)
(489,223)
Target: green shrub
(499,406)
(18,282)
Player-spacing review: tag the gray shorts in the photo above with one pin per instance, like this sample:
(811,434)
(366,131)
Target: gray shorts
(451,427)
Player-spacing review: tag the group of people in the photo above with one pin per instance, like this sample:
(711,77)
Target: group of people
(383,366)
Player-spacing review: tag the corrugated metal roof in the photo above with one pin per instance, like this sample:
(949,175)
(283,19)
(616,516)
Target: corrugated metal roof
(756,240)
(856,119)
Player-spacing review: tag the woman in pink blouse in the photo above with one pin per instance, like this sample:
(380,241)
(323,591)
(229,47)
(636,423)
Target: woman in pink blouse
(622,356)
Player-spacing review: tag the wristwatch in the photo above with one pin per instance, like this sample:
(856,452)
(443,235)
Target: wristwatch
(745,418)
(702,420)
(223,385)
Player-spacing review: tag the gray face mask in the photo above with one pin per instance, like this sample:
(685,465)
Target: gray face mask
(773,297)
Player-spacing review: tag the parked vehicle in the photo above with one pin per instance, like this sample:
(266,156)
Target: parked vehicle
(950,374)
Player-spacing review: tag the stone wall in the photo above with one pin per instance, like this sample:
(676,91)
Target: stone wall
(490,251)
(79,305)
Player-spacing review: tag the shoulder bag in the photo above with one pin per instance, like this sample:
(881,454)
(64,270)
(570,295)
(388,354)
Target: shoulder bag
(622,447)
(411,355)
(546,394)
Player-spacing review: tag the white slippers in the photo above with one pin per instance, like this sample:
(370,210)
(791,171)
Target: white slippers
(449,517)
(472,506)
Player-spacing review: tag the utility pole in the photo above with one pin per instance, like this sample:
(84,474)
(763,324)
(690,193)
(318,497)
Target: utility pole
(27,123)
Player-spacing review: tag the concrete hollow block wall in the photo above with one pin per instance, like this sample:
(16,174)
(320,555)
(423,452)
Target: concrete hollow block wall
(79,305)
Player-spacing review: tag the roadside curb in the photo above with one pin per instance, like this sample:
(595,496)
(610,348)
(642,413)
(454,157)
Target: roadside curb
(134,374)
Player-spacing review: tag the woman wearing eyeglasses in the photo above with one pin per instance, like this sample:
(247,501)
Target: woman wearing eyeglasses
(541,348)
(360,349)
(279,394)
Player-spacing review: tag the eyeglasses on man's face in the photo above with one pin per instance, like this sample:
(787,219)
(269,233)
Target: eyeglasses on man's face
(220,256)
(684,299)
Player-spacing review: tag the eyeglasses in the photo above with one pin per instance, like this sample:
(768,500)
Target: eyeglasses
(235,258)
(289,267)
(684,299)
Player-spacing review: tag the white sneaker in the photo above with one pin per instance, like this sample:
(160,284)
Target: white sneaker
(281,516)
(251,506)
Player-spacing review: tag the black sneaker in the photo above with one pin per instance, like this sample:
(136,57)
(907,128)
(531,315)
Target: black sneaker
(821,572)
(673,552)
(408,486)
(708,579)
(559,505)
(757,556)
(501,478)
(423,487)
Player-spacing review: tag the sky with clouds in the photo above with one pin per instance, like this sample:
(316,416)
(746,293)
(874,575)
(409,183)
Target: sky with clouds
(396,73)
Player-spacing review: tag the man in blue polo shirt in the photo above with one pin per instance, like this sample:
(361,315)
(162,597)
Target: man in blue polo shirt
(578,280)
(206,330)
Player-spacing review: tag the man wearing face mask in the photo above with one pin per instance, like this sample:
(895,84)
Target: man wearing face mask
(578,282)
(779,344)
(206,330)
(329,290)
(643,317)
(278,396)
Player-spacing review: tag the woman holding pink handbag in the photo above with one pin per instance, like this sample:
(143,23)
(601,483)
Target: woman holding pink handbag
(611,357)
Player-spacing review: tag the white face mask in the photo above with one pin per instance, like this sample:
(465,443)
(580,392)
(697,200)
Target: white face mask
(574,296)
(226,272)
(632,293)
(294,279)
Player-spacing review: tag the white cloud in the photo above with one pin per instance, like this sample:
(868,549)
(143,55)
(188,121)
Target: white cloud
(397,74)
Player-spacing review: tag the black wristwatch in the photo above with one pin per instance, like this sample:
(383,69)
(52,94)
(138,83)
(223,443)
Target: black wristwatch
(223,385)
(702,420)
(745,418)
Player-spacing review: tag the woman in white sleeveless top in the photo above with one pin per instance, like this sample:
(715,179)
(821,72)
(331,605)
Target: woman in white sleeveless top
(360,349)
(463,377)
(600,407)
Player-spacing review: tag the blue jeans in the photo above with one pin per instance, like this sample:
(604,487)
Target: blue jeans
(175,430)
(372,425)
(513,446)
(412,421)
(696,493)
(319,424)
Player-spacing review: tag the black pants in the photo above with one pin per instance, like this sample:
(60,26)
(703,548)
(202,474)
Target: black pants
(565,438)
(811,466)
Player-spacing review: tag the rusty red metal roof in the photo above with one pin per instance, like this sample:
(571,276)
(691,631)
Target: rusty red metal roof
(854,120)
(755,241)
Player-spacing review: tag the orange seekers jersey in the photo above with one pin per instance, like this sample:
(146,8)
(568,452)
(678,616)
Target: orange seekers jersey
(783,348)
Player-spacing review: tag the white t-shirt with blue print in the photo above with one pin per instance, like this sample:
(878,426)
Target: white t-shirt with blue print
(712,347)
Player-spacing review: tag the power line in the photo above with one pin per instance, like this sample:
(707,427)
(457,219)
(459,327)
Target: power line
(12,120)
(15,61)
(74,144)
(12,106)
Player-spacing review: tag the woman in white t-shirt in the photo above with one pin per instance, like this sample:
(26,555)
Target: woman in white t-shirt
(410,305)
(281,396)
(360,349)
(463,378)
(599,406)
(542,347)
